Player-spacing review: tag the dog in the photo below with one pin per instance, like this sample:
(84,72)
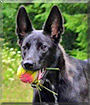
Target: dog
(40,49)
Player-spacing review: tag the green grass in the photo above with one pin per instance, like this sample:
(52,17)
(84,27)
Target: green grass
(16,91)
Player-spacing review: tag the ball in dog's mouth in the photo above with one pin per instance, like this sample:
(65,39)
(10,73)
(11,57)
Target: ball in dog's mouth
(29,76)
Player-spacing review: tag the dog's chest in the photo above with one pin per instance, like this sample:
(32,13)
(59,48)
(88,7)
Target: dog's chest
(49,95)
(62,88)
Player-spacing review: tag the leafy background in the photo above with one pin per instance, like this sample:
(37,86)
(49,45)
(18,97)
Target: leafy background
(74,41)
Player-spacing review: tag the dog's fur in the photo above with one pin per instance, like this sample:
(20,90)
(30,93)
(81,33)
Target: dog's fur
(40,49)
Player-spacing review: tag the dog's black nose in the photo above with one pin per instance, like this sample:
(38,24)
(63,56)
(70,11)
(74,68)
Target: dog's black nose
(28,65)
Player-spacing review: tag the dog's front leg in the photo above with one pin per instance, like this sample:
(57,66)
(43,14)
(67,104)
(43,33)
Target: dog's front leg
(36,98)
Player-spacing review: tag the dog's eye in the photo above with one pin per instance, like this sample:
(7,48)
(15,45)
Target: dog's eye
(43,47)
(28,45)
(24,47)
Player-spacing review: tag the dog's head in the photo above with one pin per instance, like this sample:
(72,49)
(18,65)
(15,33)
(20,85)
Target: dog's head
(39,47)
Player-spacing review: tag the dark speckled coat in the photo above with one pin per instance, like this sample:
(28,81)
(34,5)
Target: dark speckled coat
(41,49)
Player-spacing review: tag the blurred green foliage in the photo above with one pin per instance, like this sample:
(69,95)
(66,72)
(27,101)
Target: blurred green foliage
(74,39)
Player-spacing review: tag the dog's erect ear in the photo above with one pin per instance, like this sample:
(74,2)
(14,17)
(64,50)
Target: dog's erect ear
(23,25)
(54,24)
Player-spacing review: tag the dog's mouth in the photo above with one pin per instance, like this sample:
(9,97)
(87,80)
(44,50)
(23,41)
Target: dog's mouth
(41,73)
(34,75)
(28,76)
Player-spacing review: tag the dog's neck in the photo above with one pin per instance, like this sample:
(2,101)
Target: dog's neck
(54,78)
(59,61)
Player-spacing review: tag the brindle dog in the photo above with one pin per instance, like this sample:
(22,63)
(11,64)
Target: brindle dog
(40,49)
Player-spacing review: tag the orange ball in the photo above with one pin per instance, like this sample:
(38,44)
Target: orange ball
(27,76)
